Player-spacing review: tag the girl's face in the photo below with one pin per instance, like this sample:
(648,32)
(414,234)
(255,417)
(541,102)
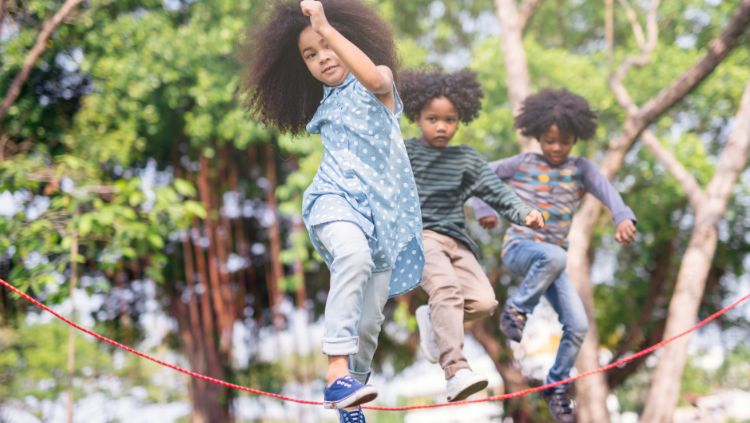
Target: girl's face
(322,62)
(555,147)
(438,121)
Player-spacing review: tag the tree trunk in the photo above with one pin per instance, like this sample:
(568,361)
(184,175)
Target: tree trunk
(205,320)
(591,391)
(274,237)
(3,6)
(519,409)
(695,267)
(646,330)
(514,58)
(219,292)
(609,30)
(594,388)
(241,246)
(210,401)
(298,230)
(72,331)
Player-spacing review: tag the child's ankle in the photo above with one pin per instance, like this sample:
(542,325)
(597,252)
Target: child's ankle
(338,366)
(332,375)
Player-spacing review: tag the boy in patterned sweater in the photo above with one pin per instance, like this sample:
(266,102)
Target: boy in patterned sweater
(554,183)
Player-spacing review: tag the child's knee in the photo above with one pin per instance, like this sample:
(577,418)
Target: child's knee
(578,328)
(356,260)
(370,328)
(445,295)
(481,308)
(556,259)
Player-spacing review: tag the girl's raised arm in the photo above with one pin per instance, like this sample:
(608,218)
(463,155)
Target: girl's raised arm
(377,79)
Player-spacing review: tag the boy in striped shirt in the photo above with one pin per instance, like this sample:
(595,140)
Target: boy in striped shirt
(446,176)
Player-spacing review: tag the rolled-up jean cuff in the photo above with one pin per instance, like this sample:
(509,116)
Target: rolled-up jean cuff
(360,376)
(341,346)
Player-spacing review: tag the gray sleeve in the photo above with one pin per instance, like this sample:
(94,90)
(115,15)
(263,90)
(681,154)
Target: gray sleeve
(505,169)
(595,183)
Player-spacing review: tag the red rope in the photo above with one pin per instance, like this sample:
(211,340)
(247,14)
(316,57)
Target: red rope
(148,357)
(617,363)
(412,407)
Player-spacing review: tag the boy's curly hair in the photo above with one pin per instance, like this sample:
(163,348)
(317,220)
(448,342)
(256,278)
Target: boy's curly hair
(570,112)
(283,92)
(418,88)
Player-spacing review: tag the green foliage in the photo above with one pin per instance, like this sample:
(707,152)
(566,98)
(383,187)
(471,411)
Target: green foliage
(113,222)
(33,361)
(130,85)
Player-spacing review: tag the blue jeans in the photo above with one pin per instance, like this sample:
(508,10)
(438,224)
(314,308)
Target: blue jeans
(542,266)
(356,298)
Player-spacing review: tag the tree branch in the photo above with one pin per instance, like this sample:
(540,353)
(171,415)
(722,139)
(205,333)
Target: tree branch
(689,184)
(581,232)
(3,141)
(696,267)
(526,12)
(640,38)
(647,45)
(514,60)
(718,49)
(3,7)
(48,28)
(735,154)
(609,30)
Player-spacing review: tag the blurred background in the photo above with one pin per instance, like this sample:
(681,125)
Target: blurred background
(139,198)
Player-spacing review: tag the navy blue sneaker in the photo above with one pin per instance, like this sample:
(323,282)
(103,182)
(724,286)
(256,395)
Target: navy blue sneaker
(512,323)
(560,406)
(347,392)
(354,416)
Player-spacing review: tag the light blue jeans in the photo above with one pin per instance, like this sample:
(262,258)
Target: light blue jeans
(356,298)
(542,266)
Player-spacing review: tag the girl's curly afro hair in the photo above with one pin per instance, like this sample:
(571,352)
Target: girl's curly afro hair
(282,91)
(418,88)
(570,112)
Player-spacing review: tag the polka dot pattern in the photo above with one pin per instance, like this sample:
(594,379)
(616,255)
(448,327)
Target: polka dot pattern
(365,178)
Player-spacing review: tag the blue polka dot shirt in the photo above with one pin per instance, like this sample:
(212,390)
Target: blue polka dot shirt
(365,178)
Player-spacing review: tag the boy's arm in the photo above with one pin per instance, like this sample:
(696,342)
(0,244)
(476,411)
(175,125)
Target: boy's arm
(505,169)
(595,183)
(490,188)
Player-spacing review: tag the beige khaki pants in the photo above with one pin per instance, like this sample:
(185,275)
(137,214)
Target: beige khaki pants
(459,292)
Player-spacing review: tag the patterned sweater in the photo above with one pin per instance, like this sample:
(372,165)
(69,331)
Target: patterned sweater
(556,191)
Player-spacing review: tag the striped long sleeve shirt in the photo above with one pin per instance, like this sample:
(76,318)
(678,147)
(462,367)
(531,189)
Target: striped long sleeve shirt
(447,177)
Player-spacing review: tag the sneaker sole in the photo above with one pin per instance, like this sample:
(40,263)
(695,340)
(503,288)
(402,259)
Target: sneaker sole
(469,390)
(364,395)
(423,337)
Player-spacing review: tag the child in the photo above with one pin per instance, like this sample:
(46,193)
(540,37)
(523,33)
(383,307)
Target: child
(446,177)
(553,182)
(333,68)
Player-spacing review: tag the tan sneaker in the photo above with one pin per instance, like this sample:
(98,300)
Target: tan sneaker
(427,342)
(464,383)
